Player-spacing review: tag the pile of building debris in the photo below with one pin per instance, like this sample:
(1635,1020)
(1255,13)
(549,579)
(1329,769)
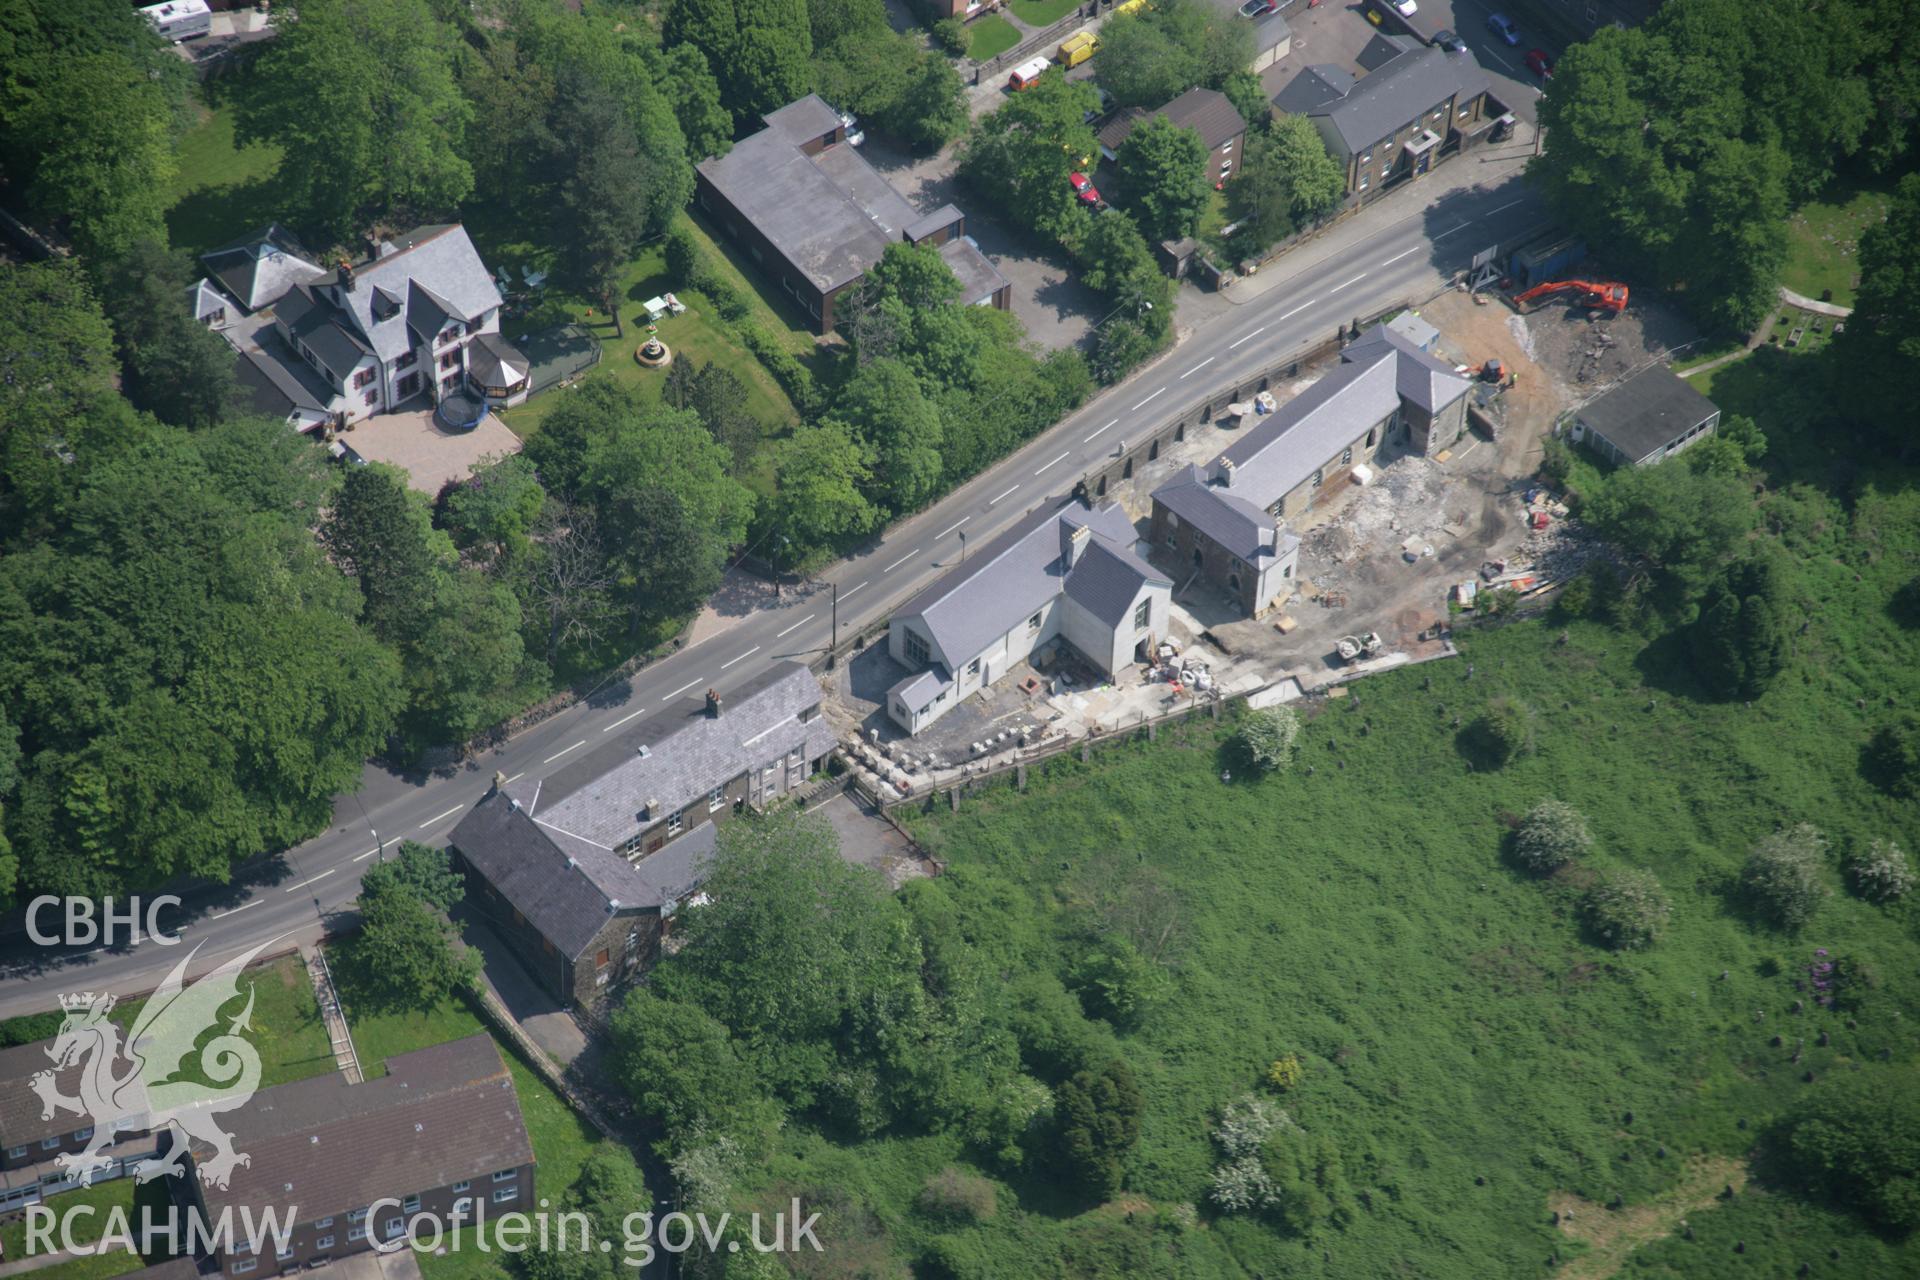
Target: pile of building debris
(1556,547)
(1402,505)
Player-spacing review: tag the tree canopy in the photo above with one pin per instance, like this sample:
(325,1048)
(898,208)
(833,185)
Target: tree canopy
(1154,54)
(1162,171)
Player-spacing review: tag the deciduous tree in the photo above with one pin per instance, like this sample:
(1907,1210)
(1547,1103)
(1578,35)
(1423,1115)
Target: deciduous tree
(1162,170)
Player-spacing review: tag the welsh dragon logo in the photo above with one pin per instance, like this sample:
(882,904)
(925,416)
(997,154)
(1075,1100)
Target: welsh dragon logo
(135,1083)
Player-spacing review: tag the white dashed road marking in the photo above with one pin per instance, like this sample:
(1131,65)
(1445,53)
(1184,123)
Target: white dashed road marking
(457,808)
(1143,401)
(1044,467)
(1197,368)
(669,698)
(796,626)
(1249,338)
(748,654)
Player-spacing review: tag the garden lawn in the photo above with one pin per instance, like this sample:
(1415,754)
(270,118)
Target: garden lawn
(102,1198)
(1468,1046)
(561,1139)
(991,36)
(1042,13)
(1823,240)
(285,1025)
(222,191)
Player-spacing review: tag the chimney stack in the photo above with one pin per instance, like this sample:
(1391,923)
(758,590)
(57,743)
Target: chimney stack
(1073,541)
(713,704)
(499,780)
(1226,472)
(346,275)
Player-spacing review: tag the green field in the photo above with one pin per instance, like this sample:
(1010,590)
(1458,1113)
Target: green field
(1472,1053)
(1824,242)
(991,36)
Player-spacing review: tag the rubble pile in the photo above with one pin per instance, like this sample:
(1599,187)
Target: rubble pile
(1404,500)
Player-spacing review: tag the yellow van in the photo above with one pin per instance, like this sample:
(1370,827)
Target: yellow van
(1131,6)
(1077,48)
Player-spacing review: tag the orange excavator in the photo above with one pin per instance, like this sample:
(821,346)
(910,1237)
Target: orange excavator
(1601,295)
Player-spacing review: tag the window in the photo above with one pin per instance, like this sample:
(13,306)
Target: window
(395,1227)
(602,958)
(716,798)
(451,360)
(973,668)
(412,1205)
(15,1153)
(324,1223)
(362,378)
(506,1194)
(324,1242)
(676,823)
(373,397)
(1319,478)
(356,1233)
(916,647)
(506,1175)
(1033,623)
(357,1215)
(283,1254)
(451,332)
(1370,434)
(405,359)
(50,1144)
(1363,182)
(462,1185)
(240,1268)
(81,1135)
(1143,616)
(1346,455)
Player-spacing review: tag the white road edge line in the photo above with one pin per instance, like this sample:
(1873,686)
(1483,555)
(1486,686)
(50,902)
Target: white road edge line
(368,854)
(1046,465)
(1249,338)
(1503,208)
(237,910)
(748,654)
(556,755)
(889,569)
(1136,406)
(1403,253)
(457,808)
(1197,368)
(955,525)
(1104,428)
(1356,280)
(622,720)
(669,698)
(843,595)
(1450,230)
(1302,307)
(796,626)
(304,883)
(991,501)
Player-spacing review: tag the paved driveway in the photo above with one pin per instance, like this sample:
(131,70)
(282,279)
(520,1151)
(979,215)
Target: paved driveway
(431,455)
(1056,308)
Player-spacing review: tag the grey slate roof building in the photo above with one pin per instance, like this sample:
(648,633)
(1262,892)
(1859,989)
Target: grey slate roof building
(407,292)
(1208,112)
(257,270)
(1237,525)
(581,870)
(815,215)
(1417,99)
(443,1123)
(1064,570)
(1642,420)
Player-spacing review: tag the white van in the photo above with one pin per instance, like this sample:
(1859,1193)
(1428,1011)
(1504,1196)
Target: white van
(178,20)
(1026,73)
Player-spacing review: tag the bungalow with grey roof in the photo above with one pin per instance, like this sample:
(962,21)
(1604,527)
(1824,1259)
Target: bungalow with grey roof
(1418,105)
(1226,518)
(1645,419)
(814,215)
(1064,572)
(581,869)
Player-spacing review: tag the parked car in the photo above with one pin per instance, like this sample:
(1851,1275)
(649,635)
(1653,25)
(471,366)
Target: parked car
(1077,48)
(1405,8)
(1447,38)
(1540,64)
(1084,188)
(1027,72)
(1501,25)
(1258,8)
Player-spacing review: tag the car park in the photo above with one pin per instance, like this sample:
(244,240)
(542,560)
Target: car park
(1501,25)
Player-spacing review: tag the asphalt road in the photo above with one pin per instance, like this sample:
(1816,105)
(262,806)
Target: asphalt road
(310,886)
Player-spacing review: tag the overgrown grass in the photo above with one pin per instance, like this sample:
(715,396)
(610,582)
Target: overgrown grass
(1469,1048)
(1824,242)
(991,36)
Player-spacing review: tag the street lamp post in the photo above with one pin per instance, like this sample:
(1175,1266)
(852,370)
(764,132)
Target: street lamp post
(963,546)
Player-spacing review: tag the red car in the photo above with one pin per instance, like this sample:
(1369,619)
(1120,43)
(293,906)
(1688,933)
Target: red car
(1084,188)
(1540,64)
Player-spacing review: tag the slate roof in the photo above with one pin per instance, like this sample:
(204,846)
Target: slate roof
(1269,31)
(310,319)
(979,278)
(1374,374)
(1025,567)
(919,689)
(204,299)
(566,887)
(600,796)
(1653,408)
(495,362)
(324,1147)
(1359,113)
(259,269)
(1207,112)
(435,269)
(830,214)
(1236,524)
(20,1106)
